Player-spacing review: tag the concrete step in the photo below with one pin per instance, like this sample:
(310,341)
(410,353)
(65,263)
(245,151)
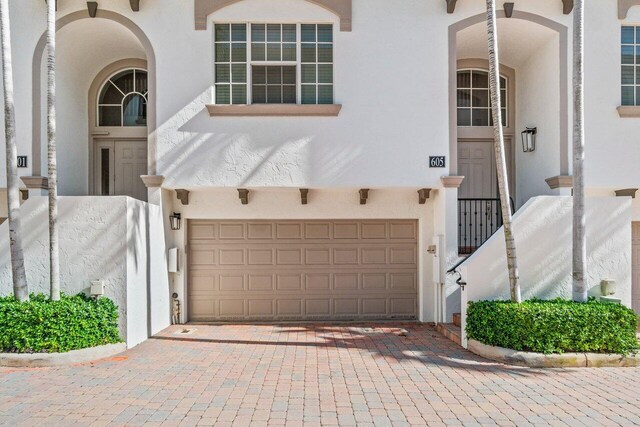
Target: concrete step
(457,319)
(450,331)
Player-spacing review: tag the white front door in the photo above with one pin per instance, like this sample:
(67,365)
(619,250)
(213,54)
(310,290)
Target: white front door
(476,162)
(118,166)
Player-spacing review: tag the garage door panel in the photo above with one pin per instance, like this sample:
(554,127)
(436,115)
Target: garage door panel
(317,231)
(231,257)
(232,231)
(289,231)
(316,282)
(289,257)
(230,283)
(374,230)
(260,231)
(289,282)
(346,282)
(302,270)
(346,231)
(259,282)
(374,306)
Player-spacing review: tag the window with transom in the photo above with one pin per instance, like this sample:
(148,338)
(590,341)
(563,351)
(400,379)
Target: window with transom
(474,99)
(123,99)
(273,63)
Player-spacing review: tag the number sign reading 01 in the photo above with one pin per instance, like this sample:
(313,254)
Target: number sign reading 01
(437,161)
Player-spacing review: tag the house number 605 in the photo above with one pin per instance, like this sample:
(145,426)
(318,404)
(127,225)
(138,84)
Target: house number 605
(437,161)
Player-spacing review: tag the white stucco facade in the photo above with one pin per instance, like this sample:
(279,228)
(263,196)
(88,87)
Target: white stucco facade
(394,75)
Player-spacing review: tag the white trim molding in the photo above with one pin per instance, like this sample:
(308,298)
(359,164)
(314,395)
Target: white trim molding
(341,8)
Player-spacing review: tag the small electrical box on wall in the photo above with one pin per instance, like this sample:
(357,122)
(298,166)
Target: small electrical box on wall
(172,259)
(97,288)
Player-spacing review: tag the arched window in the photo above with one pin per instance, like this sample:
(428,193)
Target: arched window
(474,99)
(123,99)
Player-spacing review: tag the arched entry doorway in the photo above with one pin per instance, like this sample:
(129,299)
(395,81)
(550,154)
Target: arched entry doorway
(534,71)
(118,101)
(83,180)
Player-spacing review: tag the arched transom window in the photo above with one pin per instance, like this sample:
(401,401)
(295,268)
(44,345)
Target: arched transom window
(474,99)
(123,99)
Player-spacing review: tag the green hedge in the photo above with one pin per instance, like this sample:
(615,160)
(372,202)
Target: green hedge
(44,326)
(555,326)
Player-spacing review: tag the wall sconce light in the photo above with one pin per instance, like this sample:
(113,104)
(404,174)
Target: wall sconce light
(529,139)
(175,219)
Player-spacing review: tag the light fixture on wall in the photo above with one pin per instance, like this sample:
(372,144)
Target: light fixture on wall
(175,219)
(529,139)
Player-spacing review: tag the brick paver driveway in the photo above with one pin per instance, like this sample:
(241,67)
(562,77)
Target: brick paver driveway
(312,375)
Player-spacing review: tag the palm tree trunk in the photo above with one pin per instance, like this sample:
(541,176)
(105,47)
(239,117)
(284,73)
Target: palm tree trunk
(580,289)
(20,288)
(501,164)
(54,262)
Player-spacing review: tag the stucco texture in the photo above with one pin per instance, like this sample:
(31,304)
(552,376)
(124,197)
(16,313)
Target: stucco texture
(101,238)
(542,230)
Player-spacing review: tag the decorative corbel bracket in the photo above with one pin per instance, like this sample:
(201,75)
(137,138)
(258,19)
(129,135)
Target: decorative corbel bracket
(243,194)
(567,6)
(627,192)
(423,195)
(364,195)
(135,5)
(508,9)
(304,196)
(92,7)
(451,5)
(183,196)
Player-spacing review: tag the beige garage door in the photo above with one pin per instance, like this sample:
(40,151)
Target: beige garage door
(302,270)
(635,262)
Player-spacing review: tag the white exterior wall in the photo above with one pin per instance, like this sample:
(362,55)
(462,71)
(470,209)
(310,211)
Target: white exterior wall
(100,239)
(542,230)
(538,102)
(392,78)
(394,92)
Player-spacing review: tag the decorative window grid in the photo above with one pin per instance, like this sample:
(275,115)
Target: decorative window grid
(122,100)
(273,63)
(474,99)
(630,59)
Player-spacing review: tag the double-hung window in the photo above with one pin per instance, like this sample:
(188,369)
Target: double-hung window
(273,63)
(630,76)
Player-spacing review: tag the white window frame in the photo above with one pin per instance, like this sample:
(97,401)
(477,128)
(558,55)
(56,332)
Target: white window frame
(297,63)
(124,96)
(505,107)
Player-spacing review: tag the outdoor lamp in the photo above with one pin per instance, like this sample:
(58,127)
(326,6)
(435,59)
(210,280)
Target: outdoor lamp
(175,219)
(529,139)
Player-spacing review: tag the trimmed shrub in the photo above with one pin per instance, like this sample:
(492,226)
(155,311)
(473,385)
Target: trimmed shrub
(555,326)
(44,326)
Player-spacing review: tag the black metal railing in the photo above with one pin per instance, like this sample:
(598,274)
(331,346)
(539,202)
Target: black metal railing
(478,219)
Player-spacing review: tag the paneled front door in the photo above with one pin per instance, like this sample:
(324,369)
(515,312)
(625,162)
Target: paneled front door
(118,166)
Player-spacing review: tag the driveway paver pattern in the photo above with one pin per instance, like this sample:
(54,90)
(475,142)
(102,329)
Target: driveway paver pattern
(313,374)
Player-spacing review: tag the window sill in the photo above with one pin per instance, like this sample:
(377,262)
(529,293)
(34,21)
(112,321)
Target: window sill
(275,110)
(629,111)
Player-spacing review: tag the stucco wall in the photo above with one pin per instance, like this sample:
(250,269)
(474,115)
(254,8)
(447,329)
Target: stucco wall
(538,101)
(100,239)
(395,96)
(542,230)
